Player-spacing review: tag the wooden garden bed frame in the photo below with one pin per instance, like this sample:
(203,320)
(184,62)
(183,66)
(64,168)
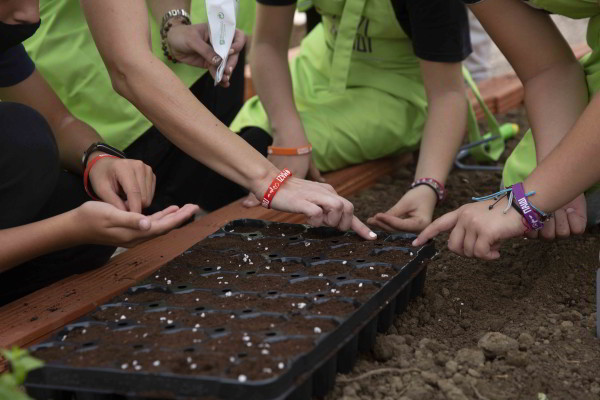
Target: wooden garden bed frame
(33,318)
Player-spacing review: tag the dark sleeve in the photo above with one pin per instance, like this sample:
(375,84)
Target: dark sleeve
(439,29)
(15,66)
(277,2)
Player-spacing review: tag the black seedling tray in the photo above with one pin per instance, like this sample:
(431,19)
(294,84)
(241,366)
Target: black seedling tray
(256,311)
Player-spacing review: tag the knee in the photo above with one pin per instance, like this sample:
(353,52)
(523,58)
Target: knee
(27,137)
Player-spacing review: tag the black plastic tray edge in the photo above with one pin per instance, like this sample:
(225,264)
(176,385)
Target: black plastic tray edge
(350,328)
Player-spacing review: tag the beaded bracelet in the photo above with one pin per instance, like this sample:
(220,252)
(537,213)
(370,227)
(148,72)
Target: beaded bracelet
(167,24)
(437,186)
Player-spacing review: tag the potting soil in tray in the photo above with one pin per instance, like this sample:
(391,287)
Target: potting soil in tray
(257,310)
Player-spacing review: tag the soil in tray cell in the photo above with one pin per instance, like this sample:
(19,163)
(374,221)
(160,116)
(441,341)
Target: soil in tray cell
(333,307)
(306,248)
(353,250)
(142,297)
(329,269)
(308,285)
(257,324)
(255,369)
(323,233)
(52,353)
(225,242)
(179,339)
(300,325)
(262,283)
(264,245)
(288,348)
(203,259)
(119,313)
(283,230)
(281,267)
(359,290)
(374,272)
(394,256)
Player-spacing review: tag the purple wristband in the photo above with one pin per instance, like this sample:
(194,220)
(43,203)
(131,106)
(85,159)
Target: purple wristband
(531,217)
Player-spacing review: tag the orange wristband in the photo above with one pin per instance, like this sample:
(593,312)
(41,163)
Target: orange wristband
(86,175)
(274,187)
(289,151)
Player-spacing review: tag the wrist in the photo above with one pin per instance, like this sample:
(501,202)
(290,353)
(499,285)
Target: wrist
(261,179)
(426,195)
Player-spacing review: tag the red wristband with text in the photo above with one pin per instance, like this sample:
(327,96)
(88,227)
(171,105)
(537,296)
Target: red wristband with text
(86,175)
(274,187)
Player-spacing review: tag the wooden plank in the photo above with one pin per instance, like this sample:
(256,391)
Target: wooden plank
(27,320)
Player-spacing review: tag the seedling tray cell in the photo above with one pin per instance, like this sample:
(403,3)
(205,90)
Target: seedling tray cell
(258,310)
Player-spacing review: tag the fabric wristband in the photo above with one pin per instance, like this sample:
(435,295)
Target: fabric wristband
(274,187)
(86,174)
(436,185)
(289,151)
(529,214)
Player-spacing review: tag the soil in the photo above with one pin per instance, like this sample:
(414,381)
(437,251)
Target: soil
(521,327)
(230,307)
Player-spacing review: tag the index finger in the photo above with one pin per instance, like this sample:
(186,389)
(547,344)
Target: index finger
(442,224)
(132,190)
(362,230)
(239,40)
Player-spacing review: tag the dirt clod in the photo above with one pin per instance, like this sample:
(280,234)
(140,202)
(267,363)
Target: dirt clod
(496,344)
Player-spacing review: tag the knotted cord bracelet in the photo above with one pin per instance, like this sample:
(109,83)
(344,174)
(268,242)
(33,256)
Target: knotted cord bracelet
(86,174)
(438,188)
(274,187)
(533,218)
(289,151)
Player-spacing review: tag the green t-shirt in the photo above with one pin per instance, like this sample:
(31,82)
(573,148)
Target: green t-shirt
(66,55)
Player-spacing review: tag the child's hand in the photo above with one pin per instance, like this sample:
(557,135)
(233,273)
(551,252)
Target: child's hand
(412,213)
(101,223)
(568,220)
(476,230)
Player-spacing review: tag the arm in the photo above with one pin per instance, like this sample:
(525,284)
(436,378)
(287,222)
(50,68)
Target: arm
(567,145)
(104,224)
(120,30)
(111,179)
(442,135)
(273,82)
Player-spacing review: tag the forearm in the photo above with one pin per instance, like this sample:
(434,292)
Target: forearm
(554,99)
(73,137)
(272,80)
(443,133)
(572,167)
(159,94)
(27,242)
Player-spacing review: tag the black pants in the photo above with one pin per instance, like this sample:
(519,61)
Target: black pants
(34,187)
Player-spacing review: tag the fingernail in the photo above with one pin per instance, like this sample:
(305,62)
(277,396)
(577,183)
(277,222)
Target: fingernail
(144,224)
(415,242)
(216,60)
(570,210)
(372,234)
(231,51)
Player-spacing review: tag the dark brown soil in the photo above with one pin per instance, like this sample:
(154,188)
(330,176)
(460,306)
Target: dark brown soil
(522,327)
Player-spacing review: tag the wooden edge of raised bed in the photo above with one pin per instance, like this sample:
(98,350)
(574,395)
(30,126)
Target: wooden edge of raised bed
(31,318)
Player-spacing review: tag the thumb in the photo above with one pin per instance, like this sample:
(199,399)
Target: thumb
(314,173)
(250,201)
(130,220)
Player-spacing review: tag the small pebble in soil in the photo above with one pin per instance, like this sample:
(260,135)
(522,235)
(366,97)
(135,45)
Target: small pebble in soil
(344,262)
(169,282)
(193,366)
(281,365)
(267,370)
(301,305)
(138,367)
(156,363)
(123,317)
(227,294)
(264,352)
(317,329)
